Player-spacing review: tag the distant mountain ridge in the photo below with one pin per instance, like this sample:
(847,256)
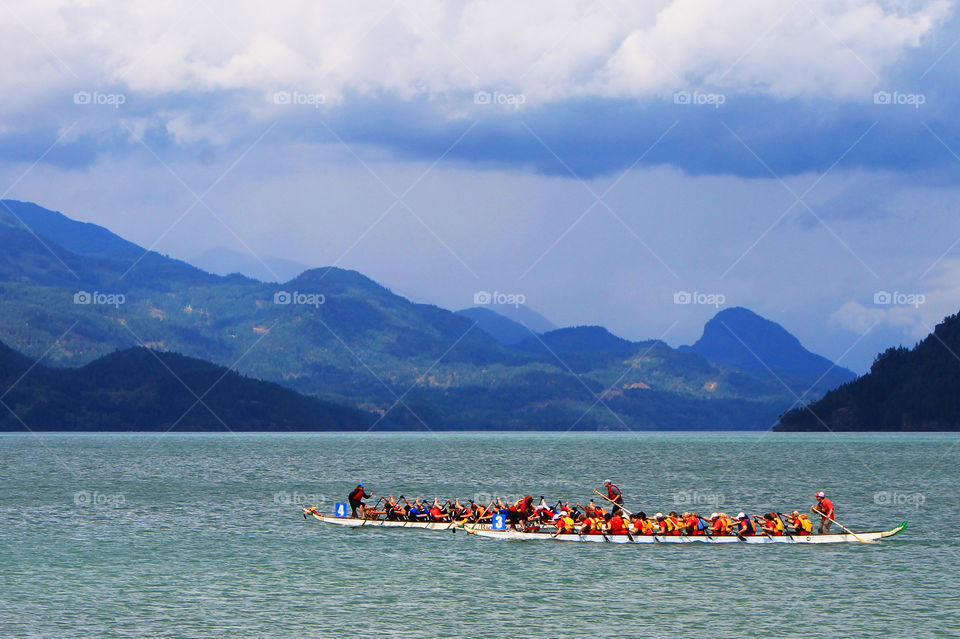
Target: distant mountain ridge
(339,336)
(740,338)
(504,330)
(906,390)
(136,390)
(224,261)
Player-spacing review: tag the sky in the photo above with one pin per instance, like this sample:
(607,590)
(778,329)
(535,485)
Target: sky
(633,165)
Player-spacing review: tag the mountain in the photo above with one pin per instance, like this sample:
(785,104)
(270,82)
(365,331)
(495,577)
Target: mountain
(224,261)
(739,338)
(906,390)
(502,329)
(338,336)
(525,316)
(582,348)
(81,238)
(138,390)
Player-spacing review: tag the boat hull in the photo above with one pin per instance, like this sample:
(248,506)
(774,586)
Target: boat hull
(687,539)
(353,522)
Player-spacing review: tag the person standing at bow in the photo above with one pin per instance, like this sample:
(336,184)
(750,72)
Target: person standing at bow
(356,497)
(824,507)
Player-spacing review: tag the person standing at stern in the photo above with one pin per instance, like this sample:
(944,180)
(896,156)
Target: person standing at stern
(824,507)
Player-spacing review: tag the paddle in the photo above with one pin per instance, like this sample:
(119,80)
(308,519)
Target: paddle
(844,528)
(760,522)
(794,533)
(612,502)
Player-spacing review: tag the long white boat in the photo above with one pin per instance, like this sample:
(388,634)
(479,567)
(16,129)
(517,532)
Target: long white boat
(355,522)
(829,538)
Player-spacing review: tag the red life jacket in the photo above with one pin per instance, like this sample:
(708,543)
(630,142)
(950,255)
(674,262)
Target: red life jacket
(616,525)
(357,493)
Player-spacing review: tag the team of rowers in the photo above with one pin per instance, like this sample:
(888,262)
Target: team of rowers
(593,518)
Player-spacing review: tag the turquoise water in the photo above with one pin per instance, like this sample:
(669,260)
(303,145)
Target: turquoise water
(146,535)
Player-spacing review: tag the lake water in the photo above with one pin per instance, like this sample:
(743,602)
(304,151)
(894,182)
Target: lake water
(148,535)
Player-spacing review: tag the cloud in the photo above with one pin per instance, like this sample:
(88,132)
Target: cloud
(592,86)
(549,49)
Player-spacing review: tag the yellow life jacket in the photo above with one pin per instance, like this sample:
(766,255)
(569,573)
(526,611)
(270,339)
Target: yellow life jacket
(806,524)
(727,525)
(779,525)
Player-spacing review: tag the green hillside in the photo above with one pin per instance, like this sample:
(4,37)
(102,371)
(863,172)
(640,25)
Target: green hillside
(337,335)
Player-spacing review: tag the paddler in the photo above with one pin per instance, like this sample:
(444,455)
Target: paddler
(615,525)
(800,523)
(591,524)
(772,525)
(661,524)
(745,525)
(544,512)
(436,512)
(673,519)
(520,511)
(393,510)
(565,523)
(642,525)
(690,523)
(415,511)
(720,524)
(614,495)
(825,508)
(356,497)
(460,512)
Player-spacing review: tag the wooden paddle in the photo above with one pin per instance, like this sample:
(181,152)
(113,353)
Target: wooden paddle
(844,528)
(612,502)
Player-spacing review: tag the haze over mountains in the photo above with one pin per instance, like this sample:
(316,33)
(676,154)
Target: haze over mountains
(74,292)
(221,260)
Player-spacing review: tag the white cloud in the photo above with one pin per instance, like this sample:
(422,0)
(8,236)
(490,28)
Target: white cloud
(549,49)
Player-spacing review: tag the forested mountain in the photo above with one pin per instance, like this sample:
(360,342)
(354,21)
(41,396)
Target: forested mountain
(74,292)
(135,389)
(914,389)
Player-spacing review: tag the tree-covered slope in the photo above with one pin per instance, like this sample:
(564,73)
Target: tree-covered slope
(914,389)
(140,390)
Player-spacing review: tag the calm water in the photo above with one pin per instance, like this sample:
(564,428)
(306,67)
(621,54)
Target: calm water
(201,536)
